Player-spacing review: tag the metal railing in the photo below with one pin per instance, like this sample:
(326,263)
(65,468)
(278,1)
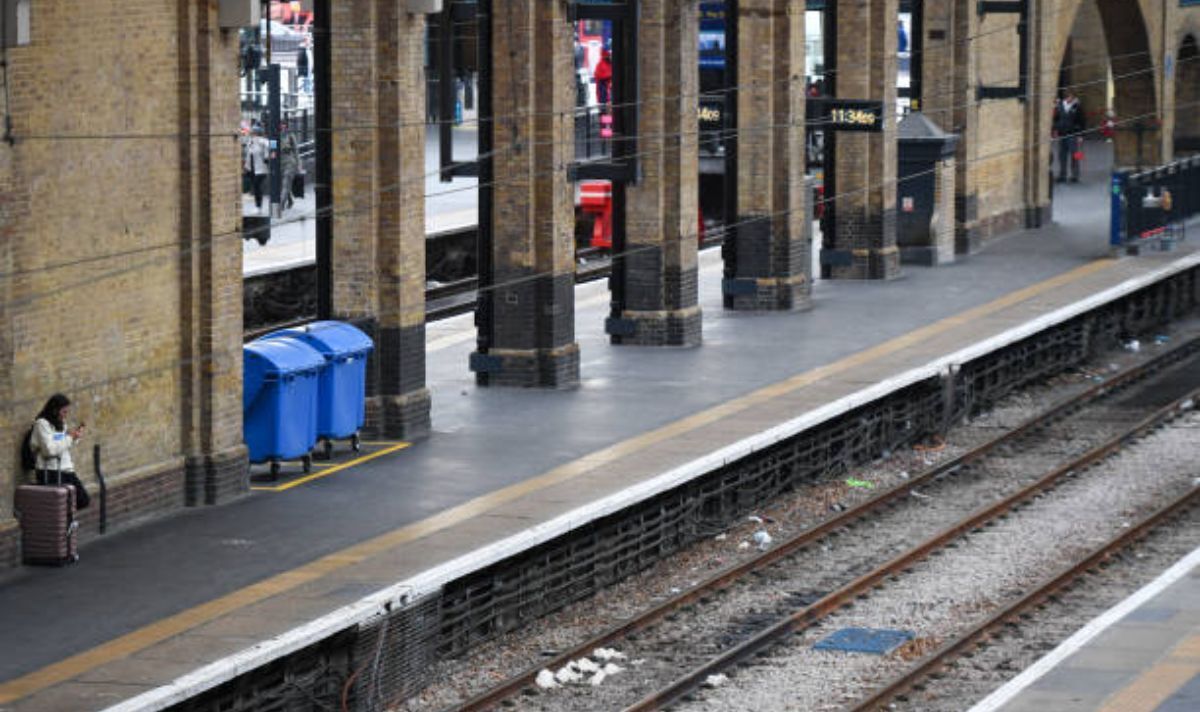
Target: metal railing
(1152,207)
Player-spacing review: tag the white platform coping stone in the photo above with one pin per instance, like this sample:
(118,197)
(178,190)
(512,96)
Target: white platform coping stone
(397,595)
(1009,690)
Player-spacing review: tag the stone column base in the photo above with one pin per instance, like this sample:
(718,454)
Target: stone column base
(216,478)
(402,417)
(882,263)
(970,237)
(528,368)
(1037,216)
(925,256)
(768,293)
(680,327)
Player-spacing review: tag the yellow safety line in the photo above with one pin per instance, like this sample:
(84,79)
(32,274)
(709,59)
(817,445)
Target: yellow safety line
(332,469)
(158,631)
(1155,685)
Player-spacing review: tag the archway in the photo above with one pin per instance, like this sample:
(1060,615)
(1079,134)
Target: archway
(1187,98)
(1134,96)
(1132,85)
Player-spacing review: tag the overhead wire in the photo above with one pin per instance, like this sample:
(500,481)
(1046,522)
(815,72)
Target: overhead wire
(208,361)
(343,211)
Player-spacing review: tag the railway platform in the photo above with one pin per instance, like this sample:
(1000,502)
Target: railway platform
(449,207)
(1141,655)
(158,615)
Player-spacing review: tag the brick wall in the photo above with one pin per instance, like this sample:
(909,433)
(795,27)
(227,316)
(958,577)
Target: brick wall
(530,340)
(378,86)
(119,215)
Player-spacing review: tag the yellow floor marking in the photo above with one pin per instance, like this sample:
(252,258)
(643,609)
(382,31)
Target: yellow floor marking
(1155,685)
(331,469)
(158,631)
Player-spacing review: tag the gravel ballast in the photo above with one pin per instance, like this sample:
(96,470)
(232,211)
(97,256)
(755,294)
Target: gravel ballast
(648,659)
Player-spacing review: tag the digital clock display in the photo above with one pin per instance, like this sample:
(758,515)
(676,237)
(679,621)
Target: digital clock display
(846,114)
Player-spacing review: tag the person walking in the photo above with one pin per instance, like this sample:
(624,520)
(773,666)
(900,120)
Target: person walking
(51,442)
(603,75)
(289,163)
(258,163)
(1068,130)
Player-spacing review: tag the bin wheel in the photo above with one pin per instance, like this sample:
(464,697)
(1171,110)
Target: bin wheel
(307,462)
(355,443)
(327,449)
(274,469)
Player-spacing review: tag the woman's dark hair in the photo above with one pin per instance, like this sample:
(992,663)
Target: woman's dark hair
(52,409)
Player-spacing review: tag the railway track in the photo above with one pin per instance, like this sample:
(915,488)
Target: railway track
(852,587)
(1012,614)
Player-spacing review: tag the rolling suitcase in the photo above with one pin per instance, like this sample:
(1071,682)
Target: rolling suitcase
(48,526)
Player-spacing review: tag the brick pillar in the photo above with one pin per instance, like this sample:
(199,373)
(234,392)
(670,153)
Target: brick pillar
(661,209)
(938,62)
(528,336)
(378,84)
(767,265)
(939,102)
(864,240)
(1087,69)
(964,107)
(215,465)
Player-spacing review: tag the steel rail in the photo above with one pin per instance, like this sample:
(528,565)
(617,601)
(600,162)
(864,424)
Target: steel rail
(861,586)
(968,640)
(728,576)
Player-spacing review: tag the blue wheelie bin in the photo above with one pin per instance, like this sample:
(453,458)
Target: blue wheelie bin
(343,383)
(279,400)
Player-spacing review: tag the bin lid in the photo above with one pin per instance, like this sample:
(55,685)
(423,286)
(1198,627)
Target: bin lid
(273,357)
(332,338)
(917,129)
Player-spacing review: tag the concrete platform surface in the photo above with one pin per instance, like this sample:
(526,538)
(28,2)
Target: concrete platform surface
(154,614)
(1142,655)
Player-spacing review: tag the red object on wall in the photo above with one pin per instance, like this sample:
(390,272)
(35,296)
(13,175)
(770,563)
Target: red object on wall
(595,199)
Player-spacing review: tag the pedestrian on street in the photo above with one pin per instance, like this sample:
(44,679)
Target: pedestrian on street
(258,163)
(1068,129)
(51,442)
(603,75)
(289,162)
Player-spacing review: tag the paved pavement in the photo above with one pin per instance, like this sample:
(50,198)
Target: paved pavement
(1142,655)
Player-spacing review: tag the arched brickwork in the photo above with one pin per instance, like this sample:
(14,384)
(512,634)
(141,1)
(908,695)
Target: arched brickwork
(1187,97)
(1129,38)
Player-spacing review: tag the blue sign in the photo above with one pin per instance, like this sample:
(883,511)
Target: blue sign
(712,35)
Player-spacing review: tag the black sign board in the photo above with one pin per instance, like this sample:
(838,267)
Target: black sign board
(845,115)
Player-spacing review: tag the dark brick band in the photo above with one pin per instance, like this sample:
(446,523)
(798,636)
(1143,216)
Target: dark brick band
(216,478)
(673,328)
(402,417)
(533,368)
